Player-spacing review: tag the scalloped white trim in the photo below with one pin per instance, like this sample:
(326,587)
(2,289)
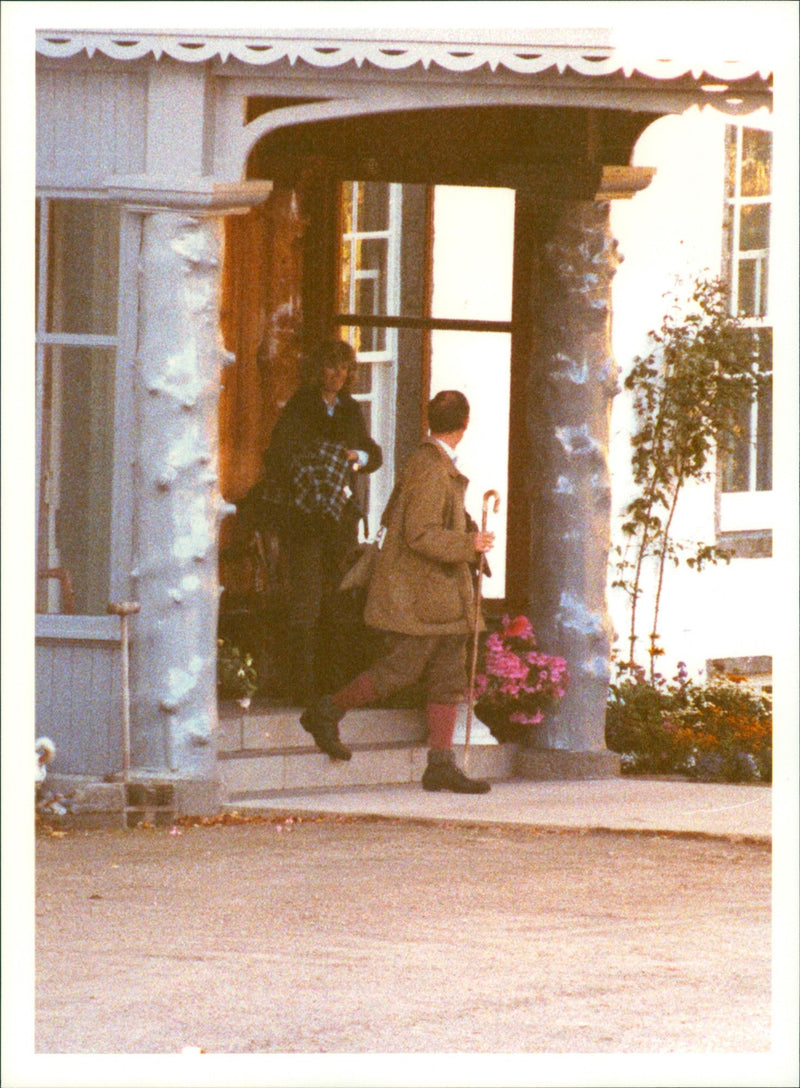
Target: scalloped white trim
(387,54)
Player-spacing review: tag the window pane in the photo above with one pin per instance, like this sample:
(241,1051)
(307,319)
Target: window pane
(473,250)
(731,132)
(373,206)
(370,277)
(747,288)
(348,256)
(365,260)
(736,450)
(364,341)
(753,287)
(728,241)
(362,382)
(756,162)
(479,364)
(755,227)
(764,447)
(74,529)
(82,273)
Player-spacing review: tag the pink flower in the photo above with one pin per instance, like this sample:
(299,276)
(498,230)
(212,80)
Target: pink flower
(519,681)
(505,663)
(510,687)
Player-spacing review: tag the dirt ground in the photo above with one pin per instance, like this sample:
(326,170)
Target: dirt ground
(347,935)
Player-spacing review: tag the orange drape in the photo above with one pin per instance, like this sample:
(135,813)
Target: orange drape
(260,318)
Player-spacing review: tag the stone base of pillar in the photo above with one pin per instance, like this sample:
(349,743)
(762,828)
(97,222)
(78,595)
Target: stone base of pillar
(154,799)
(198,796)
(543,764)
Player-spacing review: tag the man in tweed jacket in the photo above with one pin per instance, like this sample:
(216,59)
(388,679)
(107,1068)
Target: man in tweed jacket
(421,594)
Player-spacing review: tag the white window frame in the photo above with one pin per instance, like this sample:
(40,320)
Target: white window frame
(750,509)
(737,254)
(56,624)
(382,397)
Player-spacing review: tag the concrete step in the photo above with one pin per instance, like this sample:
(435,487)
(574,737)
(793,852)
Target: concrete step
(279,729)
(265,751)
(271,728)
(253,774)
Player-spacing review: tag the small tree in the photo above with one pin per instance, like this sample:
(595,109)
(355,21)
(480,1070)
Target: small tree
(688,393)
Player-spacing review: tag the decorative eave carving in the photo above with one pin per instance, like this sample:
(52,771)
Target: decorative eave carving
(334,52)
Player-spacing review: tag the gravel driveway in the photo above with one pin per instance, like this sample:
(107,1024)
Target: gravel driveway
(344,935)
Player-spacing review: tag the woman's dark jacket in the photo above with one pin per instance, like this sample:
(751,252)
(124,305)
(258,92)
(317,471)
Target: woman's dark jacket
(302,426)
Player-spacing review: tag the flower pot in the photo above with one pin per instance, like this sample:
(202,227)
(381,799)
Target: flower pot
(497,721)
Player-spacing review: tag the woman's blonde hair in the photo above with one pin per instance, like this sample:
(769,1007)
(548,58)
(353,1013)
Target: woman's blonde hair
(328,353)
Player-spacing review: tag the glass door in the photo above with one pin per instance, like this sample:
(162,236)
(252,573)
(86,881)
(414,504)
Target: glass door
(445,274)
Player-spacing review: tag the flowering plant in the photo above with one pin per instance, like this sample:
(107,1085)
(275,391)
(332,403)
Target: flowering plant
(236,674)
(517,682)
(717,731)
(723,732)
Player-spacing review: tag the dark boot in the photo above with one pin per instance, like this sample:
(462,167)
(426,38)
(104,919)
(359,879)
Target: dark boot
(443,774)
(321,720)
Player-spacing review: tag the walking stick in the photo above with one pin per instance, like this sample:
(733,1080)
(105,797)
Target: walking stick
(478,592)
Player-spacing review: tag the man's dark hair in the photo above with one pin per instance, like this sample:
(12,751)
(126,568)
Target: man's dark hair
(448,412)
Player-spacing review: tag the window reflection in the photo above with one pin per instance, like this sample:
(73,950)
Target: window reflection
(473,245)
(479,364)
(83,245)
(76,390)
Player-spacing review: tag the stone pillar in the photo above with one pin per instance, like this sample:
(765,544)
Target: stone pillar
(572,380)
(179,506)
(177,502)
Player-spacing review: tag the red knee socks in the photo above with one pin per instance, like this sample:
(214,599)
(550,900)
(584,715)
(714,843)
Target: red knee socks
(441,723)
(358,692)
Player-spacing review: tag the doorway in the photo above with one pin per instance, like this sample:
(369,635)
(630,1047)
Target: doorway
(418,278)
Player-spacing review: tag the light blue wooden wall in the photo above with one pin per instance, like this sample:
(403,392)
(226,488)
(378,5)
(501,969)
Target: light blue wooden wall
(91,124)
(79,703)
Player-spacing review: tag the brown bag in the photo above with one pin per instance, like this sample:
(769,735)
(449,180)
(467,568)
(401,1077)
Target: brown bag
(359,574)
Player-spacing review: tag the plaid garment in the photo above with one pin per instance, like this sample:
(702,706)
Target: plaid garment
(320,481)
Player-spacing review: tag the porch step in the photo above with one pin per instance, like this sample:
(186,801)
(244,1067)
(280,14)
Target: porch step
(247,776)
(280,729)
(267,752)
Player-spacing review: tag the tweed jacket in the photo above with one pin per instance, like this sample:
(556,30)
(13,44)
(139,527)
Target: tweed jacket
(422,583)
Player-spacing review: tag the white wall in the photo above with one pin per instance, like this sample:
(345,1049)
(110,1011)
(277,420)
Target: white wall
(674,228)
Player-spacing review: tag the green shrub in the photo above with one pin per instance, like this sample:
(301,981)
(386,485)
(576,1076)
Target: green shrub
(719,731)
(635,716)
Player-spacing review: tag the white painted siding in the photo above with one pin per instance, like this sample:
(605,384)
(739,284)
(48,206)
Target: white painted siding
(89,125)
(675,228)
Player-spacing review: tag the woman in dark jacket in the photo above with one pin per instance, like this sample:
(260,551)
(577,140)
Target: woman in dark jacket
(319,447)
